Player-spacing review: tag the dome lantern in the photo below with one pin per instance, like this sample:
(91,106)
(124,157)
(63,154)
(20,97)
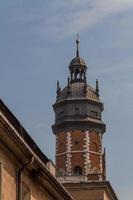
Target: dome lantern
(78,66)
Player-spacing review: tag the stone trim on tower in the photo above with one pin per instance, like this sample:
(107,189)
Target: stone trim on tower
(56,147)
(68,153)
(101,158)
(87,161)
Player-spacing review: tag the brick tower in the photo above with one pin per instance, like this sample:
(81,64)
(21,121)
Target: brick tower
(78,127)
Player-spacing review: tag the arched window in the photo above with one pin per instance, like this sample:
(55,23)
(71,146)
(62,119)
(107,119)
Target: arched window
(77,170)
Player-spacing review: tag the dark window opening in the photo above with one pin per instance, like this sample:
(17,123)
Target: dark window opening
(77,171)
(76,142)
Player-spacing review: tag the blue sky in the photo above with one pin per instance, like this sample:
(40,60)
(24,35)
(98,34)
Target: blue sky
(37,43)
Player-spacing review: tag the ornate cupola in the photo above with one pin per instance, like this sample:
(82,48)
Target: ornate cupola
(78,67)
(78,127)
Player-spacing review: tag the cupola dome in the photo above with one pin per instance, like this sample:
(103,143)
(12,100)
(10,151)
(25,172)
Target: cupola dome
(77,61)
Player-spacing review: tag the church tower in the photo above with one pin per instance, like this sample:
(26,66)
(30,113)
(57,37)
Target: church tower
(79,129)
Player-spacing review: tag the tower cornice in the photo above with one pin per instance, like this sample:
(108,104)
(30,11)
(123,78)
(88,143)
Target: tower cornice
(64,126)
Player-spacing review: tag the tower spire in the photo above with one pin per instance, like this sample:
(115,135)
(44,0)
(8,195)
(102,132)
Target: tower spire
(77,42)
(58,89)
(97,88)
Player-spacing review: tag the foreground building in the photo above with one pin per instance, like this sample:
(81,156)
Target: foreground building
(25,172)
(79,129)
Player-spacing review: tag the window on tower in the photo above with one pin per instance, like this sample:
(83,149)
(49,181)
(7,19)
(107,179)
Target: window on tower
(76,142)
(77,170)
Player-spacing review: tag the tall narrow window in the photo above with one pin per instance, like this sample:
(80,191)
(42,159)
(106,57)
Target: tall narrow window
(25,192)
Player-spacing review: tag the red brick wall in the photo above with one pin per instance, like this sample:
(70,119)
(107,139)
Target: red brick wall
(95,142)
(61,143)
(77,140)
(77,160)
(60,162)
(77,151)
